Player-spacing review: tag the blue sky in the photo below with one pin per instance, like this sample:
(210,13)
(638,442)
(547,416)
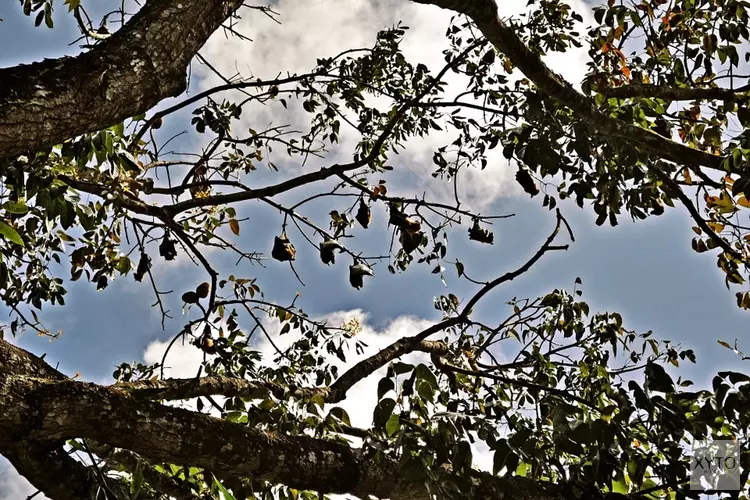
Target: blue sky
(644,270)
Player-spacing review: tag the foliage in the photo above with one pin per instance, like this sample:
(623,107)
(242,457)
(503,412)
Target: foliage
(583,400)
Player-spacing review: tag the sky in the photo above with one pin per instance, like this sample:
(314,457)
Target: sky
(645,270)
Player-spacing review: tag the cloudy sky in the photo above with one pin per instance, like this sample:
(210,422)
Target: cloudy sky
(646,270)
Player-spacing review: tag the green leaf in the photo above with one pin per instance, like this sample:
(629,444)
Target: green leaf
(124,265)
(425,374)
(550,300)
(384,386)
(118,129)
(137,484)
(341,415)
(383,412)
(426,382)
(619,485)
(658,379)
(10,234)
(127,160)
(735,377)
(48,16)
(459,268)
(224,492)
(743,113)
(15,207)
(502,453)
(400,368)
(65,236)
(393,425)
(641,399)
(522,468)
(636,470)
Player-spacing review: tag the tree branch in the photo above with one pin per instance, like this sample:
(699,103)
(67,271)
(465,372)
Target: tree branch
(45,103)
(35,411)
(159,481)
(404,345)
(484,14)
(673,93)
(446,367)
(174,389)
(416,342)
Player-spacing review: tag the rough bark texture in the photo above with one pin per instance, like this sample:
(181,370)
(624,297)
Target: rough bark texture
(45,103)
(40,408)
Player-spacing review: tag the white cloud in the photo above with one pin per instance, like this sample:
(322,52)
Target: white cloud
(182,361)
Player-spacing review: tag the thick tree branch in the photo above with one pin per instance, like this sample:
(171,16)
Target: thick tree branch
(41,463)
(45,103)
(173,389)
(36,411)
(674,93)
(484,14)
(69,409)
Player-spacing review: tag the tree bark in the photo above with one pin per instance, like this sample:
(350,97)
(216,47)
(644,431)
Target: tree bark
(44,103)
(40,408)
